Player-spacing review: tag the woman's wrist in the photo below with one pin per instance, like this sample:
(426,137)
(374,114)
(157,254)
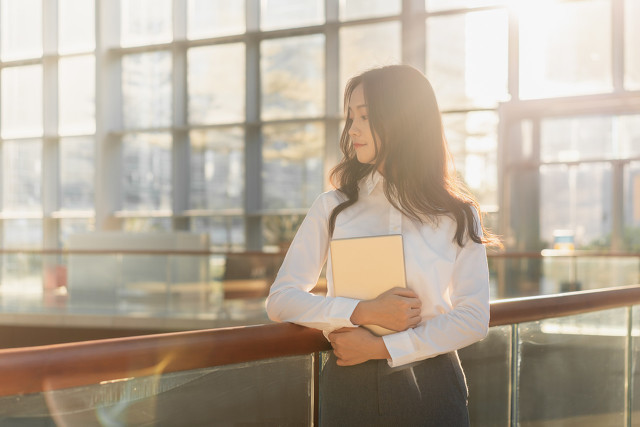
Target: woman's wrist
(359,315)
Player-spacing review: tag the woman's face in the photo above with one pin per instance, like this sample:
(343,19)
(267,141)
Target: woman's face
(360,132)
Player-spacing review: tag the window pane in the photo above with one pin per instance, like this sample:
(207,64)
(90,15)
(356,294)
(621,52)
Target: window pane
(146,171)
(436,5)
(292,171)
(76,173)
(629,133)
(565,48)
(21,101)
(147,225)
(216,84)
(146,90)
(631,200)
(225,233)
(22,175)
(631,42)
(278,231)
(360,9)
(576,138)
(470,68)
(472,139)
(69,226)
(578,199)
(20,29)
(292,77)
(77,92)
(217,169)
(76,29)
(212,18)
(22,234)
(366,46)
(275,14)
(145,22)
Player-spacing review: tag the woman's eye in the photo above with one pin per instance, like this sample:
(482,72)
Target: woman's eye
(365,118)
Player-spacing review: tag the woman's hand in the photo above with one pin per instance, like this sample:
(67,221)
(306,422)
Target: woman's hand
(397,309)
(356,345)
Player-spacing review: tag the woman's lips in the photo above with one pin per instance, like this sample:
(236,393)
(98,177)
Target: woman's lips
(356,146)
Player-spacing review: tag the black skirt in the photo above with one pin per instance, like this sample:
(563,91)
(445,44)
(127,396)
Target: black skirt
(431,392)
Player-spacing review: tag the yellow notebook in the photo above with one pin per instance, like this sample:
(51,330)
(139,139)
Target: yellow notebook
(365,267)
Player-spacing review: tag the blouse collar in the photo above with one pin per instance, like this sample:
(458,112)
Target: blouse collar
(371,181)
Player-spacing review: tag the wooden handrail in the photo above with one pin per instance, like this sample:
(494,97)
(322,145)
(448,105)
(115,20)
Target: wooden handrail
(46,368)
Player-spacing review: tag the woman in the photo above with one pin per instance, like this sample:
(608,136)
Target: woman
(396,177)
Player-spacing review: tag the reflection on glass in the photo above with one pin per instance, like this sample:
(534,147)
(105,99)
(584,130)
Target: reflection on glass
(576,198)
(22,175)
(76,93)
(276,14)
(225,233)
(216,83)
(21,105)
(213,18)
(146,164)
(576,138)
(76,173)
(631,206)
(76,28)
(360,9)
(472,139)
(292,169)
(366,46)
(467,58)
(70,226)
(565,48)
(631,42)
(292,72)
(217,169)
(436,5)
(279,230)
(572,370)
(487,366)
(600,272)
(145,22)
(146,90)
(20,29)
(147,225)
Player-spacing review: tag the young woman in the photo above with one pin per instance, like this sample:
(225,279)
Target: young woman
(396,177)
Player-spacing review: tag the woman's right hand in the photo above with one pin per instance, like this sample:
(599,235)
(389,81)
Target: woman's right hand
(397,309)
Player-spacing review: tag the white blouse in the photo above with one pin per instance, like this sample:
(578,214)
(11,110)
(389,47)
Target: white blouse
(452,282)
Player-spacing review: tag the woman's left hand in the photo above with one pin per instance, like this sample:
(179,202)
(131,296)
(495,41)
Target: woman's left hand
(356,345)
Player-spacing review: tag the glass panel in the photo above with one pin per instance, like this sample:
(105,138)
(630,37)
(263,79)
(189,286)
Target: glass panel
(631,206)
(268,392)
(147,225)
(631,41)
(576,138)
(365,46)
(213,18)
(603,272)
(436,5)
(71,226)
(276,14)
(216,83)
(572,370)
(22,234)
(292,169)
(77,93)
(145,22)
(628,131)
(279,230)
(487,366)
(21,106)
(20,29)
(225,233)
(565,48)
(470,69)
(292,77)
(146,90)
(21,286)
(146,164)
(22,175)
(360,9)
(77,173)
(76,28)
(634,368)
(472,139)
(576,201)
(217,169)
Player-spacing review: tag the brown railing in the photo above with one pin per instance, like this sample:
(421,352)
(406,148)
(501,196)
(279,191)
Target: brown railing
(45,368)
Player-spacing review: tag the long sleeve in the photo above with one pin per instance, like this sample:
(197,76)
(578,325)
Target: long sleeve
(466,323)
(289,299)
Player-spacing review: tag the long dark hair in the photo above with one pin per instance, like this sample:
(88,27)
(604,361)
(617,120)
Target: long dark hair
(420,180)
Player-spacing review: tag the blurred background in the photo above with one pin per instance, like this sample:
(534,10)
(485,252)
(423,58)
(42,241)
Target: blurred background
(157,156)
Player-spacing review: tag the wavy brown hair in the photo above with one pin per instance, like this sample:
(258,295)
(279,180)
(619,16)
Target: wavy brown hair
(411,152)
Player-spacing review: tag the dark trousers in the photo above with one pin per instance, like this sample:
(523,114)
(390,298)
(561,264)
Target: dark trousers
(431,392)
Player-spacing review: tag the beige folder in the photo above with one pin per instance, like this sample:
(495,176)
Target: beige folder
(365,267)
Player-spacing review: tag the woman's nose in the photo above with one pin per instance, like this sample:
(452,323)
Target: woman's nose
(353,130)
